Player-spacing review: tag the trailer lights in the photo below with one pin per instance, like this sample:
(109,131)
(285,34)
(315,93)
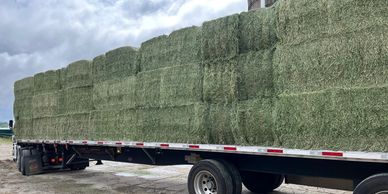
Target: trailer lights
(52,160)
(60,159)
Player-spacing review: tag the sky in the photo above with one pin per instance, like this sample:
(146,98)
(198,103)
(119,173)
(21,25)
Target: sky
(39,35)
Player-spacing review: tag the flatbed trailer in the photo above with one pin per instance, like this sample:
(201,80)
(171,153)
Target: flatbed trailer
(218,168)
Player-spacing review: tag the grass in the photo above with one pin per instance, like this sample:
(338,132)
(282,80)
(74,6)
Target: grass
(5,140)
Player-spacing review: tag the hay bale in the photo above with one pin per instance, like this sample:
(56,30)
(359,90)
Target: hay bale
(257,30)
(105,125)
(255,79)
(220,38)
(115,94)
(78,74)
(352,60)
(306,20)
(181,47)
(99,68)
(361,118)
(220,81)
(46,104)
(170,124)
(153,53)
(120,63)
(353,15)
(78,100)
(78,126)
(220,123)
(181,85)
(42,127)
(255,124)
(23,128)
(148,88)
(48,81)
(302,120)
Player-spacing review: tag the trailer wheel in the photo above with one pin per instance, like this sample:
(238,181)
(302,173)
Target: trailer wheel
(208,177)
(261,182)
(376,184)
(18,159)
(23,162)
(235,175)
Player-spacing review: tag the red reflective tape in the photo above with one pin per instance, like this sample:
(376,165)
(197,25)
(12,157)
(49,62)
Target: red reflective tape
(85,142)
(230,148)
(338,154)
(194,146)
(164,145)
(277,151)
(119,143)
(100,142)
(139,144)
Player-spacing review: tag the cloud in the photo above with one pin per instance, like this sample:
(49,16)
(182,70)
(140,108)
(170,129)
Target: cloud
(41,35)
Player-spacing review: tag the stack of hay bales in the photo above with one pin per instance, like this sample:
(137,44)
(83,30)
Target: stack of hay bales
(46,100)
(169,88)
(22,108)
(308,74)
(331,74)
(114,84)
(238,78)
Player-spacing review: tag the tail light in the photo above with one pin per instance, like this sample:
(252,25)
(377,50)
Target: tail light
(52,160)
(60,159)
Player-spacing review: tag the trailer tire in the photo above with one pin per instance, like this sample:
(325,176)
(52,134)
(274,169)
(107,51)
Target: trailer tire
(24,154)
(208,176)
(18,159)
(257,182)
(235,175)
(373,184)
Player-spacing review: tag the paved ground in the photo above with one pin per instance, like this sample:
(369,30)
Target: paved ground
(112,177)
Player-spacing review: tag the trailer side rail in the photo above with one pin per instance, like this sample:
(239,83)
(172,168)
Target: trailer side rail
(378,157)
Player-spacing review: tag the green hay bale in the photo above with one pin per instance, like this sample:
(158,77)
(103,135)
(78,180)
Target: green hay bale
(170,124)
(78,126)
(220,123)
(105,125)
(78,74)
(78,100)
(99,69)
(42,127)
(255,125)
(361,118)
(22,107)
(115,94)
(305,20)
(353,60)
(120,63)
(338,119)
(303,120)
(48,81)
(153,53)
(46,104)
(255,78)
(148,89)
(220,81)
(181,85)
(353,15)
(220,38)
(24,88)
(23,128)
(257,30)
(181,47)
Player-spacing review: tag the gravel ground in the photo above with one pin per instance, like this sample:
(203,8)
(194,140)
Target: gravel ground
(112,177)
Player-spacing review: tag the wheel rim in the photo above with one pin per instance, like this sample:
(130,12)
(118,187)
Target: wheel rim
(382,192)
(205,183)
